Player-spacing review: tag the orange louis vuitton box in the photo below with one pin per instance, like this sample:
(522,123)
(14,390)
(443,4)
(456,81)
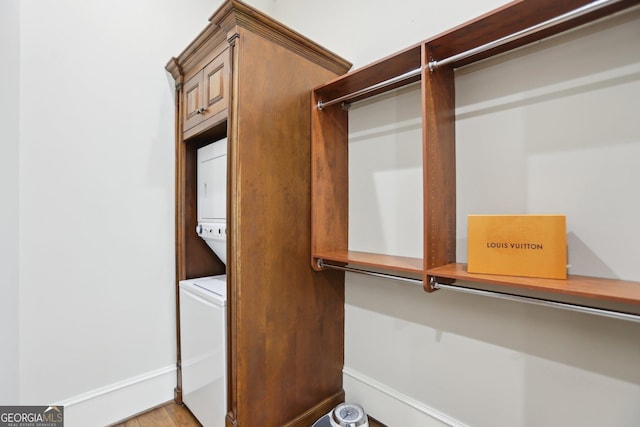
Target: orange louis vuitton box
(518,245)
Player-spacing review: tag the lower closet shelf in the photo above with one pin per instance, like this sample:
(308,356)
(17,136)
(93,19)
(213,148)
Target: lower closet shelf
(613,290)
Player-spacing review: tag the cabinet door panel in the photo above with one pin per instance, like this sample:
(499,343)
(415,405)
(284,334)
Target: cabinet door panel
(216,85)
(192,101)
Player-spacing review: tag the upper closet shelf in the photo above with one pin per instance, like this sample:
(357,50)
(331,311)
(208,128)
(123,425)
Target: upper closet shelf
(489,35)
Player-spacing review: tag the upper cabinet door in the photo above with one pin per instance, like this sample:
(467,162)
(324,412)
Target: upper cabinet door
(206,95)
(193,107)
(216,85)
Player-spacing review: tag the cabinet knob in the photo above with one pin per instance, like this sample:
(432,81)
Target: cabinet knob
(201,110)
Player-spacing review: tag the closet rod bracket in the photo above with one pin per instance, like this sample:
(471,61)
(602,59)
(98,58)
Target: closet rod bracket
(432,282)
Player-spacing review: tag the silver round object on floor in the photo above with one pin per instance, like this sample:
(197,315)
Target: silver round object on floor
(349,415)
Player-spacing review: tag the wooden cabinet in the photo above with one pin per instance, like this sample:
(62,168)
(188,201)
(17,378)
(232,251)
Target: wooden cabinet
(286,321)
(206,95)
(432,62)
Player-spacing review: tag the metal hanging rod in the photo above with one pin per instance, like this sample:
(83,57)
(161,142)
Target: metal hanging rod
(434,64)
(322,264)
(435,285)
(591,7)
(538,301)
(321,105)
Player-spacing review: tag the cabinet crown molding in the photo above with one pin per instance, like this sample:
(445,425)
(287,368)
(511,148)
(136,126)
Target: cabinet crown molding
(233,15)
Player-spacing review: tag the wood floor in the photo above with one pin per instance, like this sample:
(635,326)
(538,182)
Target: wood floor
(173,415)
(169,415)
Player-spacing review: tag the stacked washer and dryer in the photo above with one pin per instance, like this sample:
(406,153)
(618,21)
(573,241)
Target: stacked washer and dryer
(203,309)
(203,301)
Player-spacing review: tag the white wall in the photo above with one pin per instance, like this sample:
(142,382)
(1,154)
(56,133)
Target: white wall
(97,315)
(552,128)
(364,31)
(9,135)
(96,219)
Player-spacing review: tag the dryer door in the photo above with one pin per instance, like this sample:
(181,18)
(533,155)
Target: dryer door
(212,182)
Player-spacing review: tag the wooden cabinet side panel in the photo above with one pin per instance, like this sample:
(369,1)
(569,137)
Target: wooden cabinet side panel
(329,180)
(289,326)
(439,166)
(233,259)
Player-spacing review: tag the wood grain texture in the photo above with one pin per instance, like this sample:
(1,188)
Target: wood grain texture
(368,75)
(290,319)
(168,415)
(438,102)
(374,260)
(439,166)
(174,415)
(245,16)
(285,320)
(329,179)
(503,21)
(508,19)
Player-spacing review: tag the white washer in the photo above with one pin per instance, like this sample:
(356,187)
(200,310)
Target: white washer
(203,336)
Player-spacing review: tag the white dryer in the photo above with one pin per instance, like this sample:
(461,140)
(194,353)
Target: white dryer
(203,336)
(212,197)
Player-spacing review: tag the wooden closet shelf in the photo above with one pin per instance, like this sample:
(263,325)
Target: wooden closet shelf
(513,25)
(509,24)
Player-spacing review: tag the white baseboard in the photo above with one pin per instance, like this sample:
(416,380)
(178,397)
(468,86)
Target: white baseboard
(391,407)
(121,400)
